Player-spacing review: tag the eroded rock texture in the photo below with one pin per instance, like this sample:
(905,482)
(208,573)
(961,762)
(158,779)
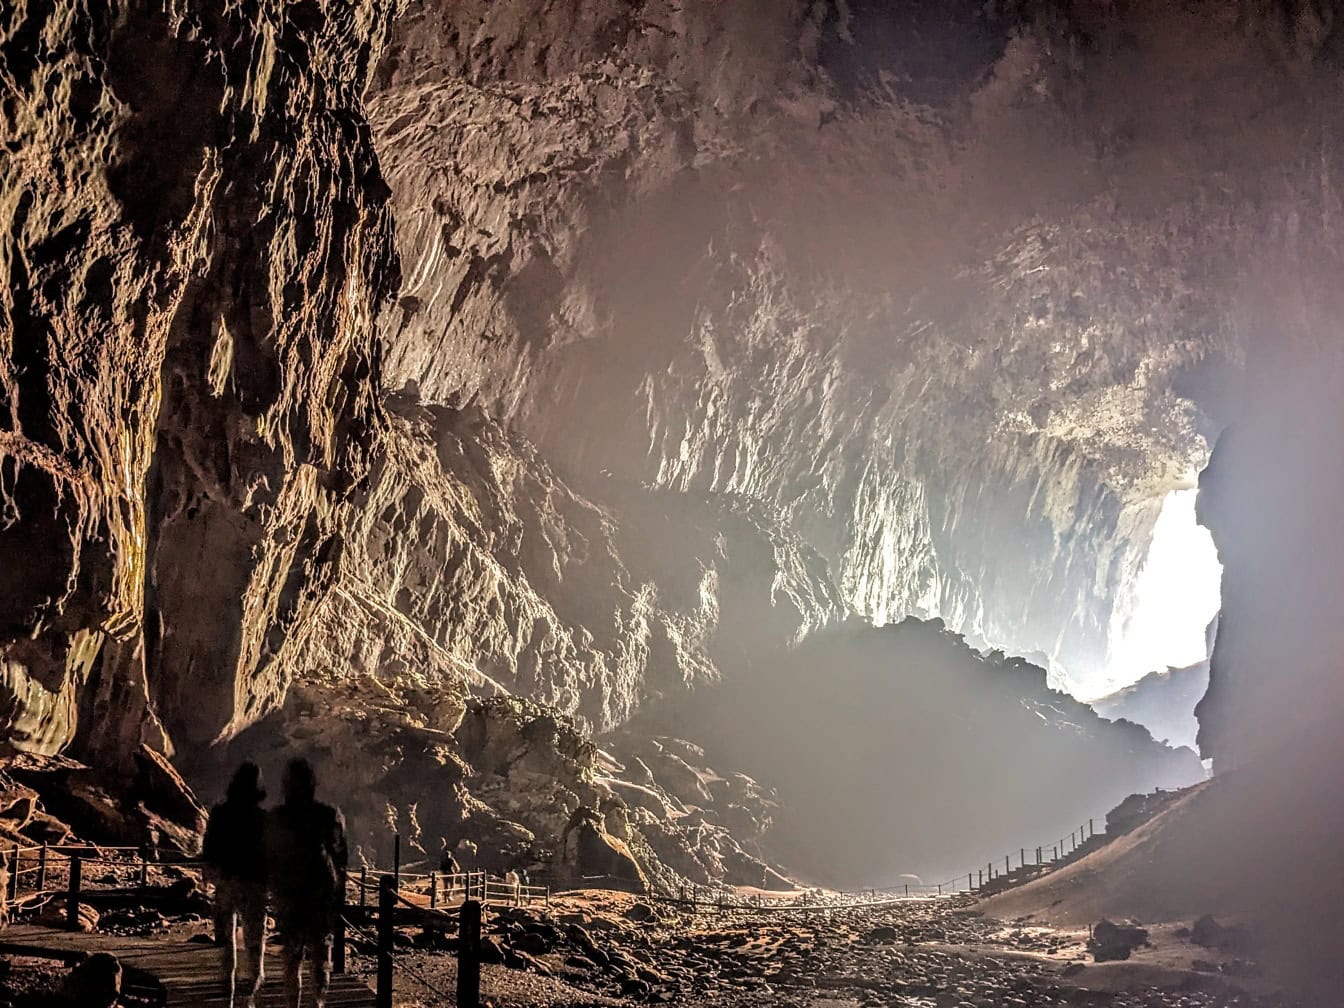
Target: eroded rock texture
(196,240)
(961,355)
(674,333)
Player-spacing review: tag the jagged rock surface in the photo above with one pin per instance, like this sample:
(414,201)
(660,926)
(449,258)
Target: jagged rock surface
(196,238)
(716,275)
(971,754)
(989,325)
(1163,702)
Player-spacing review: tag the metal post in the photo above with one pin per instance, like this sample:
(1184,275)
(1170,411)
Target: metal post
(980,879)
(1006,866)
(907,890)
(1091,830)
(940,888)
(387,903)
(1023,854)
(1056,857)
(72,893)
(1038,857)
(144,867)
(468,956)
(969,886)
(433,890)
(338,939)
(364,888)
(42,868)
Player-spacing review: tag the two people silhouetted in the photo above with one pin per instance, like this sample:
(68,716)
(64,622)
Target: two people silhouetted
(298,853)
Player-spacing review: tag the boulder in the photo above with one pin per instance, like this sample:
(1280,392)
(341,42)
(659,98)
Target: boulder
(54,916)
(1111,942)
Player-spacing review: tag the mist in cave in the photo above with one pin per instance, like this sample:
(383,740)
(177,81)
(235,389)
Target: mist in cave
(727,462)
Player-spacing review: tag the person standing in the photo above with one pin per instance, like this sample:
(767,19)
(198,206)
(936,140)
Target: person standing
(306,863)
(448,868)
(235,862)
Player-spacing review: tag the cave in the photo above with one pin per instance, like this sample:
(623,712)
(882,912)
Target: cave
(748,445)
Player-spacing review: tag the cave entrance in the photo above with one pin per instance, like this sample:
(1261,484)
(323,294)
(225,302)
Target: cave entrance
(1177,594)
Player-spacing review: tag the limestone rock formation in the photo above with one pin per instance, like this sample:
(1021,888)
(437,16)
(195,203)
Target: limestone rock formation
(369,372)
(1163,702)
(900,749)
(196,239)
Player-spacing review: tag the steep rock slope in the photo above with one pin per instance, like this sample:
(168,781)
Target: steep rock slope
(1163,702)
(900,749)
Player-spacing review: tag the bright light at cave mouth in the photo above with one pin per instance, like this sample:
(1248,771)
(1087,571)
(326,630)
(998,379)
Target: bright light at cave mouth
(1177,594)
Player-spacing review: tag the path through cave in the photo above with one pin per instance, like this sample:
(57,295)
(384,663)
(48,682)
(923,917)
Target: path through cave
(679,443)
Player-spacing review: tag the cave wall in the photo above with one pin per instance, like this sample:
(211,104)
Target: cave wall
(196,240)
(699,323)
(965,347)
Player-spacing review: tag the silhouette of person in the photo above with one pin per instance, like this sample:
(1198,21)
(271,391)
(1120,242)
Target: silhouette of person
(306,864)
(447,863)
(235,861)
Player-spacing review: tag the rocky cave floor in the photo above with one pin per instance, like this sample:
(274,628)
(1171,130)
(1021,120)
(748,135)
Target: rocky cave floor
(596,948)
(608,949)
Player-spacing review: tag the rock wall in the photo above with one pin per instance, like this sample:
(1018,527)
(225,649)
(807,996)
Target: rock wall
(670,333)
(965,348)
(196,238)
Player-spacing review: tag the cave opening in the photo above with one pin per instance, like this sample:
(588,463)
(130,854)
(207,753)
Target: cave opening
(1177,595)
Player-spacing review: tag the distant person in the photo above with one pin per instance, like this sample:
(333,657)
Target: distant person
(447,863)
(515,884)
(449,869)
(306,862)
(235,862)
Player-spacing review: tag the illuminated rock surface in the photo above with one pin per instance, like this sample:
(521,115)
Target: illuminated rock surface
(586,352)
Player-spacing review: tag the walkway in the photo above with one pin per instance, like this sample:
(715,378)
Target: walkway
(187,971)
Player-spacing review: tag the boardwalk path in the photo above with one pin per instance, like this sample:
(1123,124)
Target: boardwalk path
(189,972)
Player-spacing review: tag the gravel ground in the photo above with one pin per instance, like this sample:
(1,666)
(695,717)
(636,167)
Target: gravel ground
(606,949)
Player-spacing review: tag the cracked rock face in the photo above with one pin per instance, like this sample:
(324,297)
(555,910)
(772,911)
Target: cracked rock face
(586,352)
(968,393)
(196,238)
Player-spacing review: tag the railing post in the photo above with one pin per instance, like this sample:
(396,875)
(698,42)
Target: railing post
(433,890)
(72,893)
(1091,830)
(469,955)
(1023,854)
(907,890)
(1007,867)
(42,868)
(940,888)
(144,867)
(387,904)
(396,859)
(980,879)
(364,887)
(1056,857)
(14,876)
(969,886)
(338,940)
(1038,857)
